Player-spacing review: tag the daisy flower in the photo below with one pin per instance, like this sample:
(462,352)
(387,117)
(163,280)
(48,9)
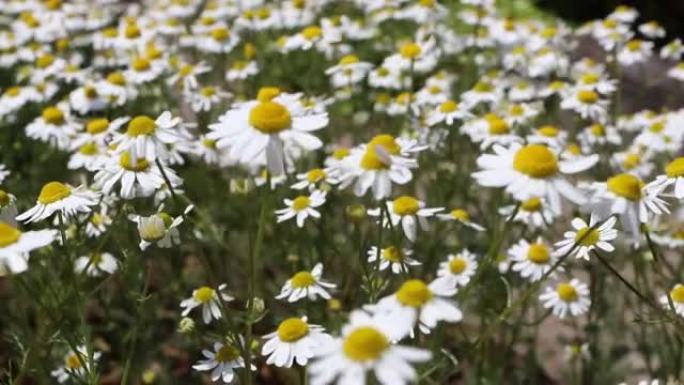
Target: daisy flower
(408,212)
(676,295)
(532,260)
(294,341)
(378,164)
(222,362)
(137,176)
(269,127)
(587,237)
(16,245)
(448,112)
(62,198)
(587,103)
(149,139)
(635,51)
(458,269)
(160,228)
(305,284)
(397,259)
(533,170)
(314,178)
(76,364)
(627,196)
(96,264)
(301,207)
(210,301)
(461,216)
(674,175)
(366,345)
(421,303)
(348,71)
(533,212)
(567,297)
(55,126)
(98,222)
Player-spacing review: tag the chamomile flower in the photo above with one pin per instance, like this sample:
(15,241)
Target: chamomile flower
(366,344)
(408,212)
(349,71)
(461,216)
(567,298)
(674,175)
(490,129)
(587,103)
(634,51)
(677,72)
(378,164)
(76,364)
(305,284)
(148,138)
(313,179)
(533,212)
(295,340)
(588,237)
(160,228)
(96,264)
(62,198)
(532,260)
(138,177)
(397,259)
(448,112)
(86,100)
(676,295)
(54,126)
(241,70)
(222,362)
(16,245)
(458,269)
(418,56)
(269,128)
(419,303)
(627,196)
(301,207)
(533,170)
(210,301)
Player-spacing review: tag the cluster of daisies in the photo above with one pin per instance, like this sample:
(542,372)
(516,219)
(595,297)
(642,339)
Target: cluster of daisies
(136,92)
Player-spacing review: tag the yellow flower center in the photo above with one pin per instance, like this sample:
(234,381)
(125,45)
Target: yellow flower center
(141,125)
(302,280)
(340,153)
(141,164)
(227,353)
(587,96)
(631,161)
(448,106)
(53,192)
(657,127)
(312,32)
(626,185)
(300,203)
(405,205)
(675,169)
(72,362)
(516,110)
(536,161)
(220,34)
(567,292)
(349,59)
(270,117)
(140,64)
(460,214)
(90,92)
(97,125)
(634,45)
(267,94)
(8,234)
(392,254)
(13,91)
(292,329)
(53,115)
(414,293)
(677,294)
(457,265)
(548,131)
(186,70)
(116,78)
(589,78)
(587,236)
(598,129)
(538,253)
(132,31)
(204,294)
(316,175)
(365,343)
(497,126)
(410,50)
(483,87)
(88,149)
(532,204)
(45,61)
(371,160)
(4,198)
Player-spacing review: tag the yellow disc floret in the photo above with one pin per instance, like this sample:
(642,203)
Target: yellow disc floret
(53,115)
(414,293)
(141,125)
(458,265)
(587,236)
(626,186)
(536,161)
(270,117)
(204,294)
(303,279)
(140,164)
(365,343)
(8,234)
(405,205)
(371,160)
(538,253)
(566,292)
(292,329)
(301,203)
(53,192)
(675,169)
